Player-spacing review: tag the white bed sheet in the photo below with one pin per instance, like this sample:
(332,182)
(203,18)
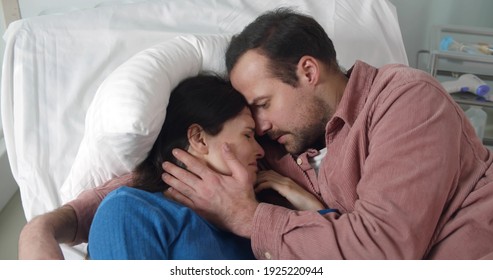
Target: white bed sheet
(54,64)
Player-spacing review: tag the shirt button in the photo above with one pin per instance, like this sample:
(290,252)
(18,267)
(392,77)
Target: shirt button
(267,255)
(299,161)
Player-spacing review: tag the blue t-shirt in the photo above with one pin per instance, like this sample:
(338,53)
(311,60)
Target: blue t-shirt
(136,224)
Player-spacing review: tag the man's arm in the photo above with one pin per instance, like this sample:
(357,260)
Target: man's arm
(40,237)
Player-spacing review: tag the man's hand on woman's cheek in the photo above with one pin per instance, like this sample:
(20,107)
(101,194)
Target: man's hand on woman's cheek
(228,201)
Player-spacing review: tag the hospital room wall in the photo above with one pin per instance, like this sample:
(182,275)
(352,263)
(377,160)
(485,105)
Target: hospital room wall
(417,17)
(8,186)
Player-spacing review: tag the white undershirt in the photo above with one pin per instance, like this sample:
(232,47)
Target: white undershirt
(316,160)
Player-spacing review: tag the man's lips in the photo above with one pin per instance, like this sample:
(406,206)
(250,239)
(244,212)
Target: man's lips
(278,137)
(281,139)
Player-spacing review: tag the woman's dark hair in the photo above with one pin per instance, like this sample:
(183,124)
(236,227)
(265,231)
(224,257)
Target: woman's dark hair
(283,36)
(206,100)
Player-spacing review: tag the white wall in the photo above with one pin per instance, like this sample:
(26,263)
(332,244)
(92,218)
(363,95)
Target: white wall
(417,17)
(8,186)
(2,49)
(7,183)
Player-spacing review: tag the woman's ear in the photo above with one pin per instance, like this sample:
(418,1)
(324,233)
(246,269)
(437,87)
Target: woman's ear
(197,139)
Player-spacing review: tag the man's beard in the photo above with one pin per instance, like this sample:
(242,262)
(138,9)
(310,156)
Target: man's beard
(311,135)
(303,138)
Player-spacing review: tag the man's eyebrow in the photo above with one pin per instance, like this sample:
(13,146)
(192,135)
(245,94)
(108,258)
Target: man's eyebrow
(256,100)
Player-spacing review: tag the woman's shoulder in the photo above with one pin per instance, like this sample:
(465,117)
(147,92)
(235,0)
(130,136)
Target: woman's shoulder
(135,195)
(126,198)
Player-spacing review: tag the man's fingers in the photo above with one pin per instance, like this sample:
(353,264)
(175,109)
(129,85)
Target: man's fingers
(175,195)
(180,174)
(179,179)
(237,169)
(193,164)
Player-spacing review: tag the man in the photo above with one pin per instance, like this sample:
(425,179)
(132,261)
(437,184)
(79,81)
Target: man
(387,147)
(402,164)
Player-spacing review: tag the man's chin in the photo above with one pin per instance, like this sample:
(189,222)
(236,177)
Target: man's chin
(292,150)
(291,145)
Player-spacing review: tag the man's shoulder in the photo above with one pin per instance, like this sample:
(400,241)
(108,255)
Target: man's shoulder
(398,79)
(401,74)
(389,77)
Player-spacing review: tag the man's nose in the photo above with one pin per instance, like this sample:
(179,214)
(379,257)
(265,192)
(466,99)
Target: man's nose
(262,126)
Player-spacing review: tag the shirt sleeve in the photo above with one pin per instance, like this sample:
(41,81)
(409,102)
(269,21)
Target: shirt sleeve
(273,228)
(86,204)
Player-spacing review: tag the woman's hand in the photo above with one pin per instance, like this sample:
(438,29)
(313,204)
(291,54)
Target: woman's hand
(294,193)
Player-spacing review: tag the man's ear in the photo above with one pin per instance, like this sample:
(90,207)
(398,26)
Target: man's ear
(308,70)
(196,138)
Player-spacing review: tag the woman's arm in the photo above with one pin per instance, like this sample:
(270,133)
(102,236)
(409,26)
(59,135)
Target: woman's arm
(294,193)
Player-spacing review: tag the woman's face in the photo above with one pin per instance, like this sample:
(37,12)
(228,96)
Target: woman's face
(239,133)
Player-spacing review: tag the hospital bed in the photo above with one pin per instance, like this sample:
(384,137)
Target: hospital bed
(84,92)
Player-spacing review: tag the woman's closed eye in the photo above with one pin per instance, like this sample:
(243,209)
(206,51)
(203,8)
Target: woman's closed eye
(250,133)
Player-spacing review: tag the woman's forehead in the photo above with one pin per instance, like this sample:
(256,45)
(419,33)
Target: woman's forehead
(243,120)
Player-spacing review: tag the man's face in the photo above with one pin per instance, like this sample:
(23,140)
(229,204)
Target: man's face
(292,116)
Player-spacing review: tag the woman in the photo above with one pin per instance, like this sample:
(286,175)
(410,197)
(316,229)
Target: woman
(204,112)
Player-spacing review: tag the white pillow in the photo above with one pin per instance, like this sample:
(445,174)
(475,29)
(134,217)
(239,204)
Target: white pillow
(129,108)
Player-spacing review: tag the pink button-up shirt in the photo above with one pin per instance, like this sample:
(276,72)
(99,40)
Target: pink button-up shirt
(403,166)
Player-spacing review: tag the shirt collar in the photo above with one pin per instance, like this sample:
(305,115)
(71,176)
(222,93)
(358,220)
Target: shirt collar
(361,77)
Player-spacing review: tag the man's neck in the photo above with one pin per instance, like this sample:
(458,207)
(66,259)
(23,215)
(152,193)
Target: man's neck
(320,143)
(332,87)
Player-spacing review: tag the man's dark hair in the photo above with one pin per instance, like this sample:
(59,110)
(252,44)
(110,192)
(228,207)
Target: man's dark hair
(283,36)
